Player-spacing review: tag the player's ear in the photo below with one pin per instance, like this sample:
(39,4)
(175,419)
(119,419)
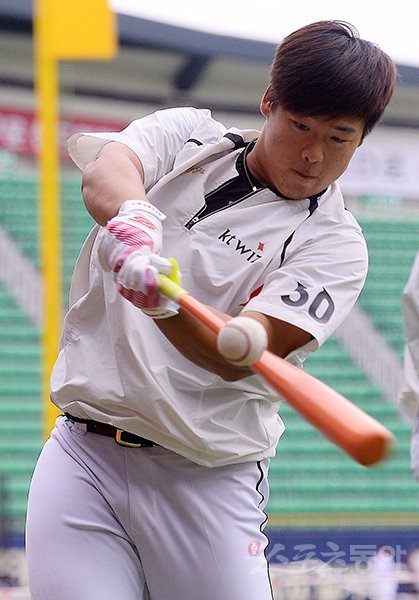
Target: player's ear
(266,103)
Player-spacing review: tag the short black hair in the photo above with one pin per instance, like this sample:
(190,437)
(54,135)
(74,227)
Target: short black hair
(325,68)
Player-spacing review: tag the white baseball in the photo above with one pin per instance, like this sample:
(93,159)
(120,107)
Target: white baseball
(242,340)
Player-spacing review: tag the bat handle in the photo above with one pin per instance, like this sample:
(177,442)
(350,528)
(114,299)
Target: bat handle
(170,288)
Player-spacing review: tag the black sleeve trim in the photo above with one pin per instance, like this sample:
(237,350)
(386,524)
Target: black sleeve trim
(237,140)
(194,141)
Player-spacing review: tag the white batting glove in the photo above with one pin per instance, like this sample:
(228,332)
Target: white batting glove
(138,282)
(138,224)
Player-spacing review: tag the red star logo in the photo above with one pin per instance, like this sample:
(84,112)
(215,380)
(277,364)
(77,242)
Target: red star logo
(261,246)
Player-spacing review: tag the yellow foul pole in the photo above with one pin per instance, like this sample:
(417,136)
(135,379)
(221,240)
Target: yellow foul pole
(46,87)
(62,31)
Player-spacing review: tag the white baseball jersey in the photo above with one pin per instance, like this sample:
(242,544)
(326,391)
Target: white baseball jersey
(302,261)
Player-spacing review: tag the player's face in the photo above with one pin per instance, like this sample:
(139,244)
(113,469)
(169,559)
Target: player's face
(300,156)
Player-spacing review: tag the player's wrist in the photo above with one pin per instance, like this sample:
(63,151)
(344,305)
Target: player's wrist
(141,206)
(168,309)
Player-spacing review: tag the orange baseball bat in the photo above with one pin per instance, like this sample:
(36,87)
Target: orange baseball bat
(362,437)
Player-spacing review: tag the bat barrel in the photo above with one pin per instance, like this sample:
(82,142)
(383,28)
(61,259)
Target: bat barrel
(345,424)
(372,447)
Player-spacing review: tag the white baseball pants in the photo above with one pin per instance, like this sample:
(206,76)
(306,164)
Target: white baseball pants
(106,521)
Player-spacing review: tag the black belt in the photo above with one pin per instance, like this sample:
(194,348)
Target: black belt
(123,438)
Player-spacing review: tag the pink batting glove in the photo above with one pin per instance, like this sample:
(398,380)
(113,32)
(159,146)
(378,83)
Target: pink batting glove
(138,282)
(138,224)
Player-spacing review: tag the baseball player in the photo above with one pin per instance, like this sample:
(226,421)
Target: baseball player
(409,393)
(154,481)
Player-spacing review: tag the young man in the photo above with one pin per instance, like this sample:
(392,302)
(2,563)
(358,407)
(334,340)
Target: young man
(257,223)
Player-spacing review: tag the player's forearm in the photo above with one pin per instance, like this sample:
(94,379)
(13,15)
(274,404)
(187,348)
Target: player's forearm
(198,344)
(109,180)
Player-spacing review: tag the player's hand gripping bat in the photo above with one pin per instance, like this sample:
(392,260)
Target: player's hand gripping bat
(344,423)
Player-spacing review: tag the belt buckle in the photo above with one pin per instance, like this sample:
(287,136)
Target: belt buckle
(121,442)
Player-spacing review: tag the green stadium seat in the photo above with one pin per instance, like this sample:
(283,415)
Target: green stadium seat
(308,475)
